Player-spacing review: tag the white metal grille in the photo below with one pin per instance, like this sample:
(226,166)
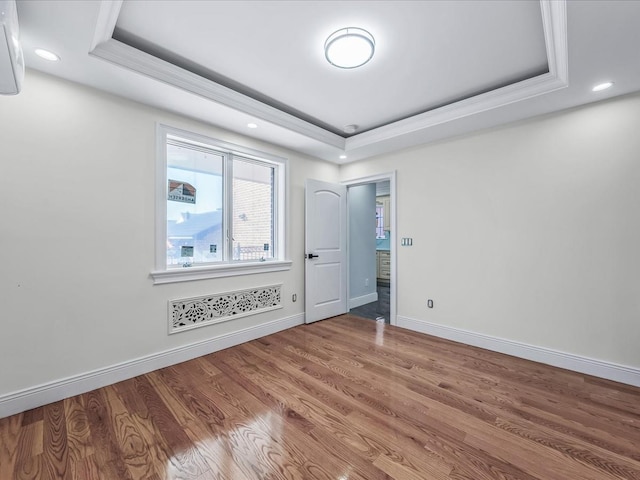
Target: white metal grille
(188,313)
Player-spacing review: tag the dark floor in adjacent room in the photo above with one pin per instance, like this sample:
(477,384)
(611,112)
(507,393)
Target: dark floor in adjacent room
(380,308)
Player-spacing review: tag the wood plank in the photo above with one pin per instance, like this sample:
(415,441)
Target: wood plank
(55,456)
(404,470)
(161,456)
(32,416)
(78,434)
(29,452)
(86,468)
(107,455)
(10,428)
(134,450)
(162,423)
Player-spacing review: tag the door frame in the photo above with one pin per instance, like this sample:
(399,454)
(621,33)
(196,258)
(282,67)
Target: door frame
(391,177)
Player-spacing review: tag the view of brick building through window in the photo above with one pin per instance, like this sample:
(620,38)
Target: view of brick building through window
(253,214)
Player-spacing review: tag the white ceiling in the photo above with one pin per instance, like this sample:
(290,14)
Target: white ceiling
(440,69)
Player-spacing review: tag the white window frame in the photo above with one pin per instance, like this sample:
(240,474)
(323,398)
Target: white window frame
(162,273)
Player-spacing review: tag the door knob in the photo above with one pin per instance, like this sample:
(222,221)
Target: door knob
(311,255)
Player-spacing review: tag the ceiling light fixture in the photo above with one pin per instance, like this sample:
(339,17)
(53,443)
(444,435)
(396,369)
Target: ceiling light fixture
(47,55)
(349,129)
(602,86)
(252,125)
(349,47)
(343,157)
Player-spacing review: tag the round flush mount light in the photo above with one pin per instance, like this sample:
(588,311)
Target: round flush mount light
(349,47)
(349,129)
(343,157)
(252,125)
(602,86)
(47,55)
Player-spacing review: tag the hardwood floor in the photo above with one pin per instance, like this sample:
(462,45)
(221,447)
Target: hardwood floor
(340,399)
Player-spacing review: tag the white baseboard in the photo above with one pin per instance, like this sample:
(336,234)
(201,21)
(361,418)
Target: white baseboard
(569,361)
(363,300)
(37,396)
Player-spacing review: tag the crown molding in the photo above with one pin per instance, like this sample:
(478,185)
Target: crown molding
(135,60)
(554,20)
(106,22)
(515,92)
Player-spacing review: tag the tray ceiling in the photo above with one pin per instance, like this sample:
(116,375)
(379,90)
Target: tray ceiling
(440,69)
(428,54)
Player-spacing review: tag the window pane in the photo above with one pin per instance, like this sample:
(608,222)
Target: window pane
(380,221)
(194,206)
(252,218)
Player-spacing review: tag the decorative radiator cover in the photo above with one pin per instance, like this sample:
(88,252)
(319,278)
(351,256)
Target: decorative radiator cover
(194,312)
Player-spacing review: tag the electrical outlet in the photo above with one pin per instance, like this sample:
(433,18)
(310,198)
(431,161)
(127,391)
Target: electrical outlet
(366,282)
(429,303)
(294,297)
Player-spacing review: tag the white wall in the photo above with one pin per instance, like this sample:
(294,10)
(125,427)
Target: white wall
(529,232)
(362,244)
(77,238)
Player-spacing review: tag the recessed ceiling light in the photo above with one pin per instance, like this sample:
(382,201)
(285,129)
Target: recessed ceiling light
(349,47)
(252,125)
(342,157)
(47,55)
(602,86)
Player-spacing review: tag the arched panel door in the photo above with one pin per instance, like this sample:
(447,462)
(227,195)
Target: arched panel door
(325,250)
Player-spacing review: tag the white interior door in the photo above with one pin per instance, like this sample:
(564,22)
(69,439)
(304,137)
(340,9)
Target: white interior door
(326,250)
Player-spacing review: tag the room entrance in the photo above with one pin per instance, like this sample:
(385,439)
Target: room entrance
(370,250)
(350,253)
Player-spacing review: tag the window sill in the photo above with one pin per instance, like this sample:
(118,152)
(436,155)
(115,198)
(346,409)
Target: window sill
(218,271)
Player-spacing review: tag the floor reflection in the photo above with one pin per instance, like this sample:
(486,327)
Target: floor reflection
(380,326)
(242,451)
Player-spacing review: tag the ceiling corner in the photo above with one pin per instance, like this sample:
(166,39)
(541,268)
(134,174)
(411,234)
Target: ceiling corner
(554,22)
(106,22)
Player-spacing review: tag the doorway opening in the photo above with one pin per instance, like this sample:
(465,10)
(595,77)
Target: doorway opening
(371,242)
